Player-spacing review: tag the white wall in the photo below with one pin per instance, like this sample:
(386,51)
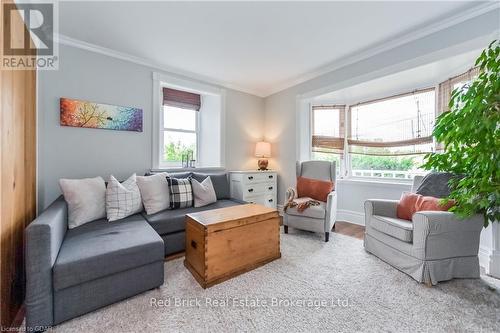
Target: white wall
(79,152)
(352,194)
(210,132)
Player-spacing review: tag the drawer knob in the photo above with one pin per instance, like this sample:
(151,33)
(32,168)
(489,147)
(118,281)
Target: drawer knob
(250,190)
(250,177)
(193,244)
(270,187)
(271,177)
(270,200)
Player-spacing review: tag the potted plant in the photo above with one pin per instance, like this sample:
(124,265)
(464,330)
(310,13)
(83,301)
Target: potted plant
(470,133)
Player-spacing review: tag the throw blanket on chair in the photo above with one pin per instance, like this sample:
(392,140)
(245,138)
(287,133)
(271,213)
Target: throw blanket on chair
(291,195)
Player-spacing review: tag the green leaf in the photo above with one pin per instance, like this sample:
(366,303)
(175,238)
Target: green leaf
(470,133)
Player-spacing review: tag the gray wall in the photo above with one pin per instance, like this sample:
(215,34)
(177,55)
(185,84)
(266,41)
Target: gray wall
(79,152)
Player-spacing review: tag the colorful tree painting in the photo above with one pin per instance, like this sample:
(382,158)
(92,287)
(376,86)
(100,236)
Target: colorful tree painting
(76,113)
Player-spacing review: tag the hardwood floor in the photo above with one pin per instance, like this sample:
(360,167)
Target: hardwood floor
(349,229)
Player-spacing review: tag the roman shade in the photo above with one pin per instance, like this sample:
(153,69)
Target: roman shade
(181,99)
(446,88)
(396,125)
(332,140)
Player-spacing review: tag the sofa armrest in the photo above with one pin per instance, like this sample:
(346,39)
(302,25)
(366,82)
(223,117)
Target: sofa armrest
(443,235)
(331,211)
(44,237)
(387,208)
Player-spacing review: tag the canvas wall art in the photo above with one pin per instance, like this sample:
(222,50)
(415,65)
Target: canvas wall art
(76,113)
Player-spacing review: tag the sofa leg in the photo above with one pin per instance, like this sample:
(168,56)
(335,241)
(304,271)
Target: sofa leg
(327,236)
(285,227)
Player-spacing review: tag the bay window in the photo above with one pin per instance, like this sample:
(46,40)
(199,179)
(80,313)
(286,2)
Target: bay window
(388,137)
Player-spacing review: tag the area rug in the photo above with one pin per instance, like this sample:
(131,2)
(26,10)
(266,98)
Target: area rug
(315,286)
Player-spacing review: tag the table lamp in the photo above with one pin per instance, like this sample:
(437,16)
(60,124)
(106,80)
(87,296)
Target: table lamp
(263,150)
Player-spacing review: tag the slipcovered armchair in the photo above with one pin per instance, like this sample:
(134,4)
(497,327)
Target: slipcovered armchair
(319,218)
(435,246)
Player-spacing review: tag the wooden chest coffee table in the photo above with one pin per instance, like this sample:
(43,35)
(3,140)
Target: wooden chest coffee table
(226,242)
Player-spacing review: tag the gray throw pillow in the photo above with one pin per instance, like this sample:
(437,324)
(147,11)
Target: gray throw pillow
(203,192)
(435,184)
(86,199)
(219,181)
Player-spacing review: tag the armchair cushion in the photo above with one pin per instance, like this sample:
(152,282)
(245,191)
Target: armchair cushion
(314,188)
(410,203)
(316,212)
(435,184)
(397,228)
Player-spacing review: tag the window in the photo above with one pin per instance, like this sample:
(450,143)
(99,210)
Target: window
(180,135)
(328,133)
(388,137)
(180,127)
(189,119)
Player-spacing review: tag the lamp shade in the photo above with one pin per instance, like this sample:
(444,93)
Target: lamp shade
(263,149)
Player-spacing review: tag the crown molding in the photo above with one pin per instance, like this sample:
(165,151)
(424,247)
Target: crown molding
(388,45)
(77,43)
(337,64)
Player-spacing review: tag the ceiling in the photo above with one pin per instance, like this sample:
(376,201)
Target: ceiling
(259,47)
(420,77)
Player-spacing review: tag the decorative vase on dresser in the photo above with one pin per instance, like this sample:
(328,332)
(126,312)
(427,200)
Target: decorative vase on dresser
(258,187)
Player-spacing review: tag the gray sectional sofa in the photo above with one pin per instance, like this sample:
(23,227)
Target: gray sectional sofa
(70,272)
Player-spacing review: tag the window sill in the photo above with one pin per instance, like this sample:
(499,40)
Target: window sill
(180,169)
(376,182)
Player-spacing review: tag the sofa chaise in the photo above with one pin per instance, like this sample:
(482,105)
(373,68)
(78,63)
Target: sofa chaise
(70,272)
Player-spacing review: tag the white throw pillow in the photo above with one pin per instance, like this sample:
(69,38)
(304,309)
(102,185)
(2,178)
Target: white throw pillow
(204,193)
(122,199)
(86,199)
(154,192)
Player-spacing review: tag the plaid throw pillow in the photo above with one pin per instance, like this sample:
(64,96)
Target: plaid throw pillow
(181,193)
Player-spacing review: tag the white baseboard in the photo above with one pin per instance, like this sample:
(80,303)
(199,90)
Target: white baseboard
(484,258)
(494,268)
(351,216)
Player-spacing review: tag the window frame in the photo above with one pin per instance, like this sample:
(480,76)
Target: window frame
(341,169)
(345,170)
(440,102)
(163,129)
(161,80)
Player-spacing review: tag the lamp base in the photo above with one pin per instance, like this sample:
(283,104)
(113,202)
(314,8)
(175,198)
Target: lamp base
(263,163)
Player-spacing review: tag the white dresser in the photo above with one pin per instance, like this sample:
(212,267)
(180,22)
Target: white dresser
(258,187)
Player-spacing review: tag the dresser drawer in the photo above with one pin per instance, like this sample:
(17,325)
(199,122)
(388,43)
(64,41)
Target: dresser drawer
(266,200)
(255,178)
(262,188)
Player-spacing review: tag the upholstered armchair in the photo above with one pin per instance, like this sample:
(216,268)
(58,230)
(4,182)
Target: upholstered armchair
(319,218)
(435,246)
